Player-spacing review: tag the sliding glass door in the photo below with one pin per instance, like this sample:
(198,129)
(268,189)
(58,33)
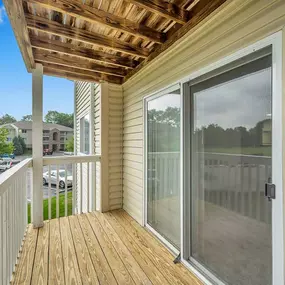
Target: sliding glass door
(230,143)
(163,164)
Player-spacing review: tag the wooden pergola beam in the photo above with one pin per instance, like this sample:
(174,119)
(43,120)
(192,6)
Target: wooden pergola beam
(199,12)
(79,73)
(81,52)
(52,27)
(65,60)
(16,15)
(163,8)
(78,10)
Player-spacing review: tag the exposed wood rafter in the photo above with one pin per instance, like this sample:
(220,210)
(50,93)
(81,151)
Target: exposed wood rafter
(55,28)
(65,60)
(81,52)
(79,74)
(163,8)
(198,13)
(16,15)
(76,9)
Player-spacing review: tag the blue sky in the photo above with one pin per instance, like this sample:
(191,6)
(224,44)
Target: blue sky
(16,82)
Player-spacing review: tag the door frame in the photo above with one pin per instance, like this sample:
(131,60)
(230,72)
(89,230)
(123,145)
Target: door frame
(275,40)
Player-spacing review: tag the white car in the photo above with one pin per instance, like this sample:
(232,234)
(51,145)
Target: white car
(5,164)
(61,177)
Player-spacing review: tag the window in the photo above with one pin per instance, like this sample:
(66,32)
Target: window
(24,131)
(45,138)
(85,134)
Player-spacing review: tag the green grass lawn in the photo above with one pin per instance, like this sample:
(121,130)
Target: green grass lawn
(260,151)
(53,207)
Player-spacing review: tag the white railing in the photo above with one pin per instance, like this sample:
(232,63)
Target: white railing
(235,182)
(13,217)
(71,184)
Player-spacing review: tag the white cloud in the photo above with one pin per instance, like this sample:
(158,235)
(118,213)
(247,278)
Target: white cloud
(2,14)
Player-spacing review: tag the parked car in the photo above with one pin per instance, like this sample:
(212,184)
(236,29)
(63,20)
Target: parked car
(53,178)
(5,164)
(47,151)
(6,155)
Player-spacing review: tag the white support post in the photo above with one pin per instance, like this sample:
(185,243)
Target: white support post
(37,142)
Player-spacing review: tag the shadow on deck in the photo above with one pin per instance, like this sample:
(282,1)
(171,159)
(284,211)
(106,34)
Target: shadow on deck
(95,248)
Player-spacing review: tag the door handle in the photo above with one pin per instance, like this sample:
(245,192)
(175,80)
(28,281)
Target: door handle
(270,191)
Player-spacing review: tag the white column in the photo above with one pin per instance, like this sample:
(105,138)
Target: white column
(37,140)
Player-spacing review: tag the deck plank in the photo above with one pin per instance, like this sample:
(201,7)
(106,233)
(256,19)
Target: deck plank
(131,264)
(151,271)
(71,269)
(56,269)
(87,270)
(40,271)
(120,272)
(102,268)
(158,254)
(23,274)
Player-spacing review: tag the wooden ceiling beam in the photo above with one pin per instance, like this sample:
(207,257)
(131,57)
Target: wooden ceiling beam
(16,15)
(52,27)
(83,74)
(65,60)
(81,52)
(78,10)
(197,14)
(165,9)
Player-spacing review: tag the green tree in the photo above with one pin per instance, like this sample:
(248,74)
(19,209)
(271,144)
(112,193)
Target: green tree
(23,144)
(55,117)
(4,146)
(27,118)
(18,149)
(69,145)
(7,119)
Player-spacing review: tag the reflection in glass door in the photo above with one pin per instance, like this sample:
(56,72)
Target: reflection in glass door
(231,150)
(163,165)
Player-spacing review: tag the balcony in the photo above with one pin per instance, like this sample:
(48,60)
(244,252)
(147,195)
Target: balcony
(87,248)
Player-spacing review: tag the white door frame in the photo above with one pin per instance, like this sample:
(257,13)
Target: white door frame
(275,41)
(277,167)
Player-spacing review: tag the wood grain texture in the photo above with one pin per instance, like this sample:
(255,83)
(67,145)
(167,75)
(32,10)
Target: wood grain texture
(93,15)
(23,274)
(56,268)
(40,270)
(55,28)
(101,266)
(71,269)
(164,9)
(88,274)
(97,248)
(65,60)
(66,70)
(203,9)
(119,270)
(15,11)
(138,275)
(81,52)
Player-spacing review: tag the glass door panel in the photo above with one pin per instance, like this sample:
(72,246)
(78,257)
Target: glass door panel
(230,163)
(163,166)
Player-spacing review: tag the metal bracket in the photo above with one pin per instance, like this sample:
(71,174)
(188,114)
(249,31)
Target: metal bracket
(177,259)
(270,192)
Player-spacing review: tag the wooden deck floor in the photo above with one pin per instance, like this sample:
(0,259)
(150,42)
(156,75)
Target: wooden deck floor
(95,248)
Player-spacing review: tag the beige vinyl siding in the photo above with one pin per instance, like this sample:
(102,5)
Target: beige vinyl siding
(115,145)
(83,107)
(233,26)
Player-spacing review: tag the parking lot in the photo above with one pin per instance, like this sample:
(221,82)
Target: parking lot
(45,169)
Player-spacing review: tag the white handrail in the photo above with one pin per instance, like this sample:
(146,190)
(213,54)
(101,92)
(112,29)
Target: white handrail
(13,217)
(7,177)
(70,159)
